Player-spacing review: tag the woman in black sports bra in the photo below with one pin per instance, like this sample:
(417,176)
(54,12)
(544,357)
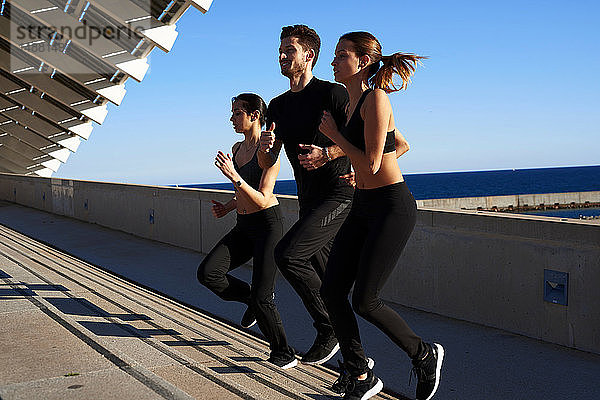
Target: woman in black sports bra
(369,243)
(258,229)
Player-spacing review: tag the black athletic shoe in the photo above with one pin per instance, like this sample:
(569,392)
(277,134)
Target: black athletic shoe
(428,371)
(322,350)
(363,390)
(248,319)
(283,361)
(340,386)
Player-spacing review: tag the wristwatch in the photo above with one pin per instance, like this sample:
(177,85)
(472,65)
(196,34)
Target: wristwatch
(326,152)
(238,183)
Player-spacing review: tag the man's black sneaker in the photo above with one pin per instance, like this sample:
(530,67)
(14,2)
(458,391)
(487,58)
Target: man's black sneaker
(248,319)
(340,386)
(283,360)
(428,370)
(324,347)
(363,390)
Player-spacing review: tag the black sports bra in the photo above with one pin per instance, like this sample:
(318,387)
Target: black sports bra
(251,172)
(354,131)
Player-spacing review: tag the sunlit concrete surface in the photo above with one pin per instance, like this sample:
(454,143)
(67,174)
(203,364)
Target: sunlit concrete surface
(481,362)
(69,330)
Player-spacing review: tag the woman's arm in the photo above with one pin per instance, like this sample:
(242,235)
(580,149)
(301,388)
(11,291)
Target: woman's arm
(261,197)
(220,210)
(329,129)
(376,116)
(401,143)
(264,195)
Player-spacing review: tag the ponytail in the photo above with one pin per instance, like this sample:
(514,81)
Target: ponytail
(403,64)
(382,77)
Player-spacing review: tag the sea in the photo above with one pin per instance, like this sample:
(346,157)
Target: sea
(485,183)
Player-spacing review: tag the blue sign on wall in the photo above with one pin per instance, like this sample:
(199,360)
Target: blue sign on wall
(556,285)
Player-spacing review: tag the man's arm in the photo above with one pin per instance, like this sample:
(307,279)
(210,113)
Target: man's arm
(318,156)
(335,151)
(268,148)
(268,156)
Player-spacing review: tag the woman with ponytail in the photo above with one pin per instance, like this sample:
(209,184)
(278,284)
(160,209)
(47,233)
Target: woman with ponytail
(383,215)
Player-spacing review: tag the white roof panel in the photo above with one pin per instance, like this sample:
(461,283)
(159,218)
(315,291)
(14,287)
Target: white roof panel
(62,61)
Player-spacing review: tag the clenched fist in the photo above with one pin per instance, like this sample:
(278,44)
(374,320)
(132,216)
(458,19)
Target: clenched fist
(267,139)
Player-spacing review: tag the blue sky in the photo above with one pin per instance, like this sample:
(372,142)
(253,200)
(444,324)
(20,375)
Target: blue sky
(511,84)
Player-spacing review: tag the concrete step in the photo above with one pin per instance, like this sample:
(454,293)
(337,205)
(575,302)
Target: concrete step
(72,330)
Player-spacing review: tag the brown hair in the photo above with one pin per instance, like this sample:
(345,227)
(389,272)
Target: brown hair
(382,77)
(251,102)
(307,38)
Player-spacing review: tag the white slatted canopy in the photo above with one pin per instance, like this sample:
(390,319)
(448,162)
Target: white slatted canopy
(63,61)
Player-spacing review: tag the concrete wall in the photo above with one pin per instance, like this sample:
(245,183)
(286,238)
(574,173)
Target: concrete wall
(517,200)
(482,267)
(489,268)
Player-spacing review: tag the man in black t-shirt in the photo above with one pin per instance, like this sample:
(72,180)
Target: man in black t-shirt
(318,164)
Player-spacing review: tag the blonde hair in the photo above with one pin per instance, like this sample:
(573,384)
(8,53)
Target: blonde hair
(382,76)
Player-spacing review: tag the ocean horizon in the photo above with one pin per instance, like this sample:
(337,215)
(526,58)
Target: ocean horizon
(442,185)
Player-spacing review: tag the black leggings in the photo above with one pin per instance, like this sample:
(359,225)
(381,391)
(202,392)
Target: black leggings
(365,253)
(302,255)
(254,236)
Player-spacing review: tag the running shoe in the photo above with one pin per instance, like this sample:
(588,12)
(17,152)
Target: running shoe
(283,360)
(322,350)
(248,319)
(343,381)
(428,371)
(365,389)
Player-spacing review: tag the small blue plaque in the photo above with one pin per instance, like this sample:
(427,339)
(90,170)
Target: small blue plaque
(556,286)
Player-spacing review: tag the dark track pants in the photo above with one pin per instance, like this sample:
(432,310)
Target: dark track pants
(302,255)
(365,253)
(254,236)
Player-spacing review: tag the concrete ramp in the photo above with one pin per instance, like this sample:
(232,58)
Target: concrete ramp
(70,330)
(132,322)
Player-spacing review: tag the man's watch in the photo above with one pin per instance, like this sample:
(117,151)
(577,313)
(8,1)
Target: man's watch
(326,152)
(238,183)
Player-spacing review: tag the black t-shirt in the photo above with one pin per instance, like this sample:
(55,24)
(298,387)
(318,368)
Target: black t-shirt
(297,116)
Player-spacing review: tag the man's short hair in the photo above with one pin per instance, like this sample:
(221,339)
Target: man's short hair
(307,38)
